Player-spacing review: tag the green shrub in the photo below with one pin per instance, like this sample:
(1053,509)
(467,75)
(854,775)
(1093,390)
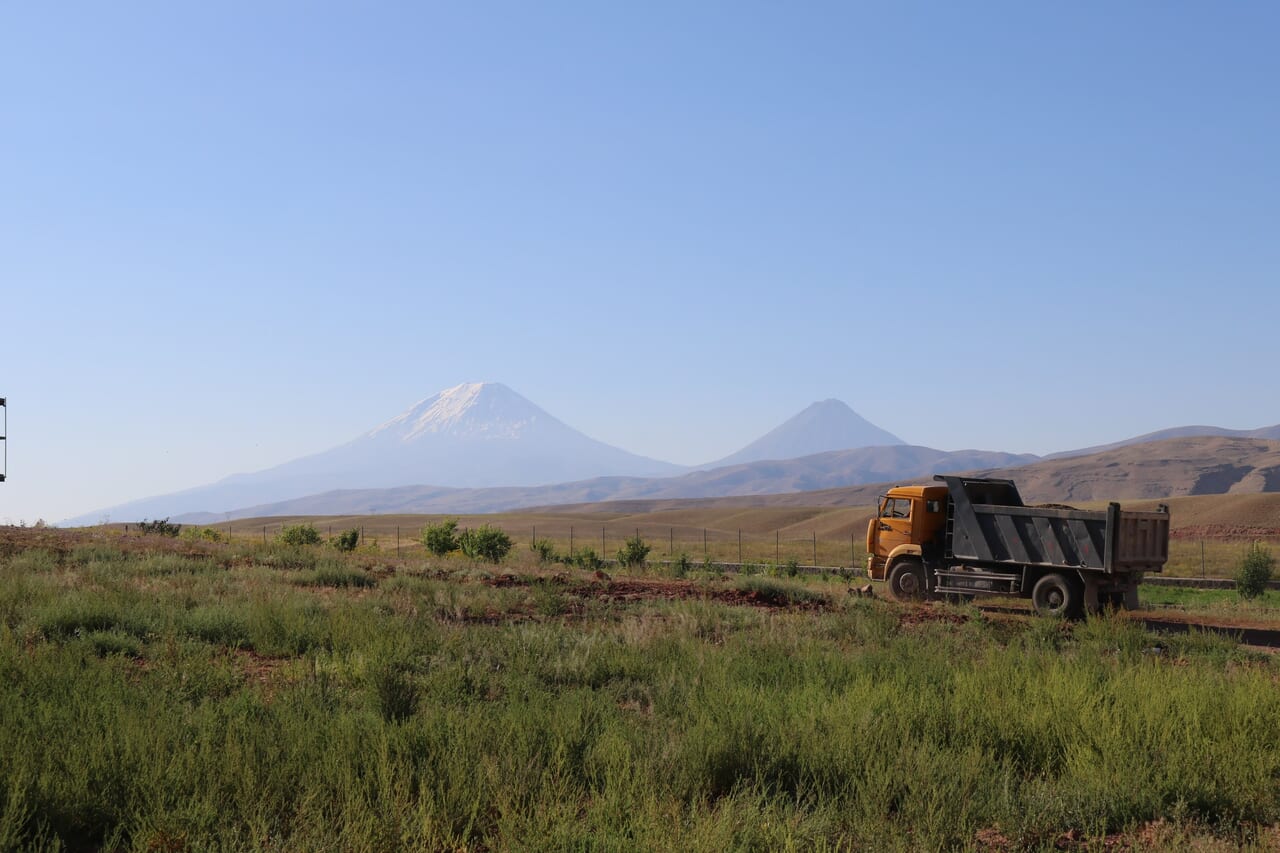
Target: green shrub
(299,534)
(585,558)
(681,565)
(159,527)
(1255,571)
(441,538)
(545,550)
(633,552)
(396,692)
(485,543)
(201,534)
(347,540)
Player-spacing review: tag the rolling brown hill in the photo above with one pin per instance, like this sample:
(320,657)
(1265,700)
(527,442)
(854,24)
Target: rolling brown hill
(1159,469)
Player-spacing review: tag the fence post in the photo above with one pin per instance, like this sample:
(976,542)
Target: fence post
(777,547)
(603,549)
(671,543)
(852,556)
(815,547)
(1202,559)
(397,540)
(739,547)
(704,543)
(264,534)
(570,540)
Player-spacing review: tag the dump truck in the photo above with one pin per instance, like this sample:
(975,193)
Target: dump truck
(974,536)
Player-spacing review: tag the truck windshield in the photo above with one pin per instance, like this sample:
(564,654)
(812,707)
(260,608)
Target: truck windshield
(896,508)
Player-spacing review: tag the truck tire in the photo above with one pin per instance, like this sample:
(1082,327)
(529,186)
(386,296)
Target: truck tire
(906,580)
(1057,594)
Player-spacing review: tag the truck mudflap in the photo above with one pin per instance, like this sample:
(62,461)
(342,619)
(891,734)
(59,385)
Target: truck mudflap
(1115,591)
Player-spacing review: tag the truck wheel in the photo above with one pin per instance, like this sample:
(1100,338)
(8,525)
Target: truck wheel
(1057,594)
(906,580)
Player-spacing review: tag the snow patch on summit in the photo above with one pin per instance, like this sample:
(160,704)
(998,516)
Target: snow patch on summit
(470,410)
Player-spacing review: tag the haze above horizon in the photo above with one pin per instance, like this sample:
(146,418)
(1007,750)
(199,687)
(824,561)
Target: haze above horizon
(235,234)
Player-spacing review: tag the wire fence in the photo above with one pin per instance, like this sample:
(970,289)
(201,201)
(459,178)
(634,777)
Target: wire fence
(779,547)
(843,548)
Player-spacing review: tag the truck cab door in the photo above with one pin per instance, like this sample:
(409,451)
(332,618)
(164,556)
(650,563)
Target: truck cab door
(891,528)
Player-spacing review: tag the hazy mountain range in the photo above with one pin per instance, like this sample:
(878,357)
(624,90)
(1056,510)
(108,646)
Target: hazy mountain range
(1169,468)
(481,447)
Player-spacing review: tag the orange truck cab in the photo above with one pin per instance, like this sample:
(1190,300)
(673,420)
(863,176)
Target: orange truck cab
(907,519)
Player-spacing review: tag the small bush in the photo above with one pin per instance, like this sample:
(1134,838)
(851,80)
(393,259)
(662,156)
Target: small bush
(159,527)
(681,565)
(545,550)
(395,689)
(441,538)
(201,534)
(485,543)
(347,540)
(633,552)
(585,558)
(299,534)
(1255,571)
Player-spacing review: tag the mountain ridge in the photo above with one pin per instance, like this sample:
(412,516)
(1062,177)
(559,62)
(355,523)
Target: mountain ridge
(822,470)
(1271,433)
(483,444)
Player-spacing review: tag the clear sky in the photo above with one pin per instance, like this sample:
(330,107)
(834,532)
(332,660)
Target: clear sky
(236,233)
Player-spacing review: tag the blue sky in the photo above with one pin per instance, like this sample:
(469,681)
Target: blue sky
(235,233)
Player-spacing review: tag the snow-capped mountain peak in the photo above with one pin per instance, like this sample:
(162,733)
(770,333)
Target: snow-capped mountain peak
(471,410)
(472,435)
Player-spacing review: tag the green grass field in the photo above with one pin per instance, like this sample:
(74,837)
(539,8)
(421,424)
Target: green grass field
(172,696)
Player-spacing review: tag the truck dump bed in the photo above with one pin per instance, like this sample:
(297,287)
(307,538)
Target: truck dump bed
(988,524)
